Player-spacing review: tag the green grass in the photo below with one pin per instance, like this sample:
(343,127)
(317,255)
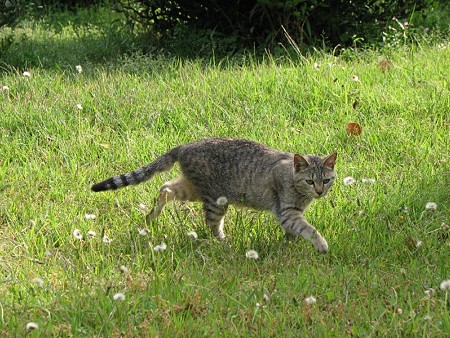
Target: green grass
(135,108)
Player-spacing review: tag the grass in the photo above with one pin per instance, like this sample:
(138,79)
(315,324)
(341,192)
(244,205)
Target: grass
(371,282)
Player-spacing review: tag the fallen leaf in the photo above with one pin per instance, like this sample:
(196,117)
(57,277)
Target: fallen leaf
(354,128)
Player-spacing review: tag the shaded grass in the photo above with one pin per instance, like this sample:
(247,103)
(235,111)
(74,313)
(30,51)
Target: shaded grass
(52,152)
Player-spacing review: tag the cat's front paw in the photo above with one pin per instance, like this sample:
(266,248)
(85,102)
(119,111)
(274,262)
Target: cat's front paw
(319,242)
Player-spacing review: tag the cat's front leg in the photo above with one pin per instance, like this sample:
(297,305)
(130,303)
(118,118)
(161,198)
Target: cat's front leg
(293,222)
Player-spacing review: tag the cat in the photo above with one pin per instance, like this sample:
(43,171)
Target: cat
(220,172)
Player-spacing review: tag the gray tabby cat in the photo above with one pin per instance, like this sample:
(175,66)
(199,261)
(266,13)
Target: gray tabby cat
(220,172)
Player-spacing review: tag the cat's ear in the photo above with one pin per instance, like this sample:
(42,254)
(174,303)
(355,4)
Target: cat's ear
(300,163)
(330,160)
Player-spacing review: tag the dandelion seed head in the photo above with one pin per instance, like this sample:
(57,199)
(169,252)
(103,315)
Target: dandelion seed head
(77,234)
(192,234)
(310,300)
(316,66)
(123,269)
(399,311)
(38,282)
(91,234)
(445,285)
(431,206)
(32,326)
(222,201)
(119,296)
(429,292)
(144,232)
(5,88)
(160,247)
(79,106)
(26,74)
(106,239)
(79,68)
(418,244)
(90,216)
(252,254)
(142,206)
(349,180)
(354,78)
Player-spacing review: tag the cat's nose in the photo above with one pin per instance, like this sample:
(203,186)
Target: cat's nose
(319,193)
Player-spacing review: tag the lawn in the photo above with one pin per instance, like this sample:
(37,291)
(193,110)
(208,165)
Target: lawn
(78,263)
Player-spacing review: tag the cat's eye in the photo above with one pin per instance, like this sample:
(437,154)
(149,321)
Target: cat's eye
(310,182)
(326,181)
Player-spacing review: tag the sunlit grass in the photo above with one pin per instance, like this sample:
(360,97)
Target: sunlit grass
(388,253)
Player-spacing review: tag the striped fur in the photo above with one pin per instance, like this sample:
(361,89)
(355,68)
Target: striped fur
(220,172)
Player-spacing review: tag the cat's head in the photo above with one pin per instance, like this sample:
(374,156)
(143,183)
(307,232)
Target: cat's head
(314,175)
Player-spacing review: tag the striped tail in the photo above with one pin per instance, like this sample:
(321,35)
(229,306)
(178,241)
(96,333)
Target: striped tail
(162,163)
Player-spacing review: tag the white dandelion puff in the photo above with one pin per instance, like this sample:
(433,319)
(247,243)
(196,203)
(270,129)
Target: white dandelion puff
(418,243)
(123,269)
(192,234)
(79,68)
(144,232)
(316,66)
(368,180)
(222,201)
(77,234)
(142,206)
(429,292)
(90,216)
(354,78)
(445,285)
(106,239)
(431,206)
(5,88)
(310,300)
(119,296)
(32,326)
(79,106)
(26,74)
(38,282)
(252,254)
(91,234)
(160,247)
(258,304)
(349,180)
(399,311)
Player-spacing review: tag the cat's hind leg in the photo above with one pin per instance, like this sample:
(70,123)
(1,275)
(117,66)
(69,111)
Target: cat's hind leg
(214,214)
(179,189)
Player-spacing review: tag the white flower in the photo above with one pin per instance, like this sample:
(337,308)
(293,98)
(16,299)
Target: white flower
(368,180)
(349,180)
(431,206)
(32,326)
(38,281)
(192,234)
(77,234)
(445,285)
(91,233)
(418,244)
(123,269)
(79,106)
(310,300)
(119,296)
(144,232)
(316,66)
(79,68)
(26,74)
(160,247)
(89,216)
(354,78)
(252,254)
(106,239)
(222,201)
